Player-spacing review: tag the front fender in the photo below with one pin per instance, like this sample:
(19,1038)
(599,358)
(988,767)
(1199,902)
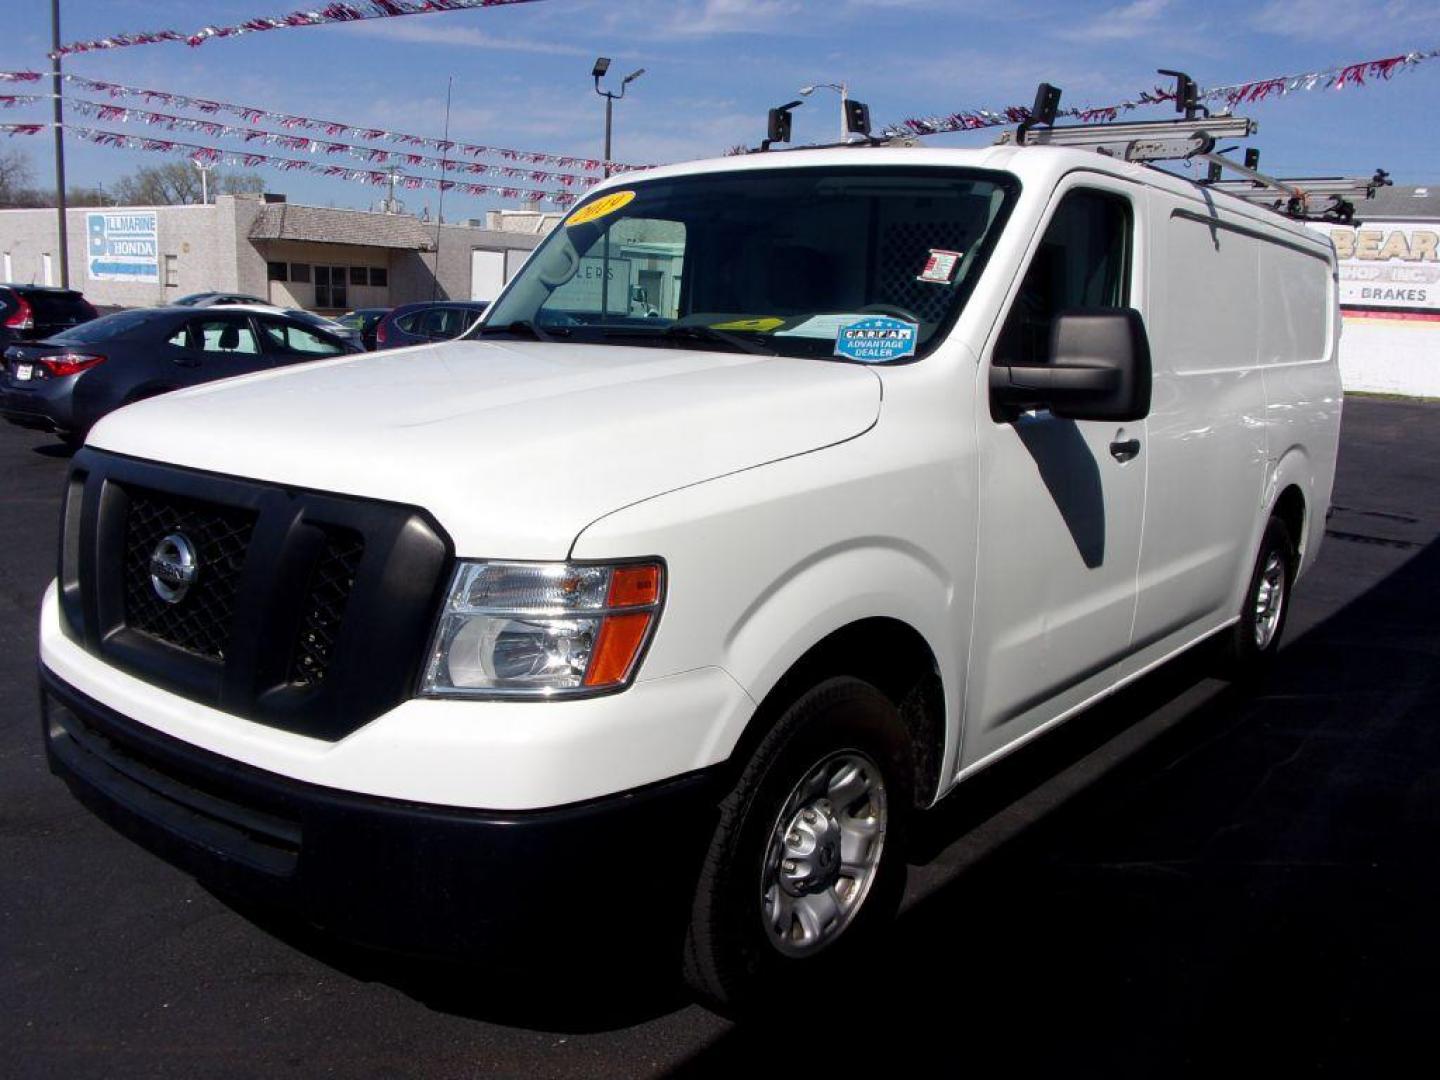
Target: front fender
(765,564)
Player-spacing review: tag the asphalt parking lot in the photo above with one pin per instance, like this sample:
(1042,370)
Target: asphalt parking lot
(1195,877)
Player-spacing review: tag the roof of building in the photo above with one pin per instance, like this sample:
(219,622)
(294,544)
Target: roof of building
(330,225)
(1401,204)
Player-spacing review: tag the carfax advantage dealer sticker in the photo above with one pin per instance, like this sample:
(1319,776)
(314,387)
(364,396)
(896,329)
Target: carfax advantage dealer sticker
(874,341)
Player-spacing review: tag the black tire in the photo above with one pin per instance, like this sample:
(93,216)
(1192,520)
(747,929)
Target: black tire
(1246,651)
(733,959)
(74,439)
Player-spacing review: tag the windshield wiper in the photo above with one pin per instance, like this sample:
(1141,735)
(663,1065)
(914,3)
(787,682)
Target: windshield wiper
(517,328)
(691,332)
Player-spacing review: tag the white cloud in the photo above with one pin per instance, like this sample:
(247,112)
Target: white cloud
(1122,23)
(427,33)
(1395,22)
(705,18)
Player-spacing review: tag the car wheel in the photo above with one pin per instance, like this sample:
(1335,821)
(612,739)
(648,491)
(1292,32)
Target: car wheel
(1255,639)
(807,862)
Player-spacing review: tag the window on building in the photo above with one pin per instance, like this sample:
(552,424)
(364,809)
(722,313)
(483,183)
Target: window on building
(278,271)
(172,271)
(330,289)
(358,275)
(300,272)
(379,277)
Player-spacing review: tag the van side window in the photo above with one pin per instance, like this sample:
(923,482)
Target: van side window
(1083,262)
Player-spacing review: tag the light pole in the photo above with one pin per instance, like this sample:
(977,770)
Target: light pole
(204,169)
(843,90)
(602,65)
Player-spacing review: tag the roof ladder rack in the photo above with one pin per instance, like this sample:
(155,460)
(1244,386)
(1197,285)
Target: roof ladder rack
(1140,140)
(1295,195)
(1195,137)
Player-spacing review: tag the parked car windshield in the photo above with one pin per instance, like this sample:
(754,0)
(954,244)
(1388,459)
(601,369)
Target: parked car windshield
(774,261)
(108,327)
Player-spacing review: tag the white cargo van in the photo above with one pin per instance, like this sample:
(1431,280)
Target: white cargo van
(660,622)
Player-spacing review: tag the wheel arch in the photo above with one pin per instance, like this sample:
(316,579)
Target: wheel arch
(1289,498)
(896,659)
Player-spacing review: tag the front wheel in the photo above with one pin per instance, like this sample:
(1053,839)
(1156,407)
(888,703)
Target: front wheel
(807,863)
(1255,639)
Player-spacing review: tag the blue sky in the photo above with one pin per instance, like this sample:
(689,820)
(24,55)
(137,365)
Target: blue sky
(714,66)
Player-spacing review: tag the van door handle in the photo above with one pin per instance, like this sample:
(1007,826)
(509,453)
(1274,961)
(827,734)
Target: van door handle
(1125,450)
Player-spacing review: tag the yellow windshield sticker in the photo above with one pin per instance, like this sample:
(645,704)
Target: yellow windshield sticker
(606,204)
(759,326)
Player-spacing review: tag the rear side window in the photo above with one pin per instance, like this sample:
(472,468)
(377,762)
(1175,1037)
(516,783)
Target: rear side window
(226,337)
(449,322)
(289,338)
(407,322)
(439,322)
(1083,262)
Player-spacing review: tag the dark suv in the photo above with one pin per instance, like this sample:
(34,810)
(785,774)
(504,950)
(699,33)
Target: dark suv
(416,324)
(33,312)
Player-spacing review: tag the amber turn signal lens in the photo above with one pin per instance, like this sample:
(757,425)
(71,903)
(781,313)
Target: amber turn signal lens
(619,643)
(634,586)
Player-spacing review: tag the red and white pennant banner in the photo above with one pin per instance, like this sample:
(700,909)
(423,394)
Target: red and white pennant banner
(1334,78)
(333,128)
(250,160)
(356,11)
(374,155)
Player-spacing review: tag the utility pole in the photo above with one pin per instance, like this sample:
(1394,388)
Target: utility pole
(56,81)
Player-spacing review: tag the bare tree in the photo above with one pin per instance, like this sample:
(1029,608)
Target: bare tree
(178,182)
(16,176)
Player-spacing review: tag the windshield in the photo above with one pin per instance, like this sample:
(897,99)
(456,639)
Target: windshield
(780,261)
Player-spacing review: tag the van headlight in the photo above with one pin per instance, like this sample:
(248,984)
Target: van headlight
(542,630)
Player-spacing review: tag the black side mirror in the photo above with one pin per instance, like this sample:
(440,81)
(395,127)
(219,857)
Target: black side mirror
(1099,370)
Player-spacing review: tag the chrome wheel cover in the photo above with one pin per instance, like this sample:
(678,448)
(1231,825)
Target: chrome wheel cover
(823,854)
(1269,600)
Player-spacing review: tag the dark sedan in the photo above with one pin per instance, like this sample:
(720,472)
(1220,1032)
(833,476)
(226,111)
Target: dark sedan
(417,324)
(364,320)
(68,381)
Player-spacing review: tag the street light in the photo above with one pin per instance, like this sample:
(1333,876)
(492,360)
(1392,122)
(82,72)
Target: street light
(602,65)
(844,91)
(203,167)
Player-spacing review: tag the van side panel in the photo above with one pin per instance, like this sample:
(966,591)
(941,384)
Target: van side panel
(1207,435)
(1299,340)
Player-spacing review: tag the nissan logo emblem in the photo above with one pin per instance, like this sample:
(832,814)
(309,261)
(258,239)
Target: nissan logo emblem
(173,568)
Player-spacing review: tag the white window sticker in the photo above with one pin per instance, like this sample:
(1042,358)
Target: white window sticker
(940,267)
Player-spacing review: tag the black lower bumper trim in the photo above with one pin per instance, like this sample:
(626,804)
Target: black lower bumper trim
(426,880)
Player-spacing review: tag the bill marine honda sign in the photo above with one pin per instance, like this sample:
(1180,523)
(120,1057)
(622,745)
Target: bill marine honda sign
(122,246)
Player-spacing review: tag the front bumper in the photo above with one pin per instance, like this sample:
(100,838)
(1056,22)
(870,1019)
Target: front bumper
(603,875)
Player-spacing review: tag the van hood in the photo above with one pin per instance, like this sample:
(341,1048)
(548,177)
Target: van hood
(514,447)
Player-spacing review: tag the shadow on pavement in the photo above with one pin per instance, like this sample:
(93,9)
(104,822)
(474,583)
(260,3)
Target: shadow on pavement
(1256,883)
(56,449)
(1257,880)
